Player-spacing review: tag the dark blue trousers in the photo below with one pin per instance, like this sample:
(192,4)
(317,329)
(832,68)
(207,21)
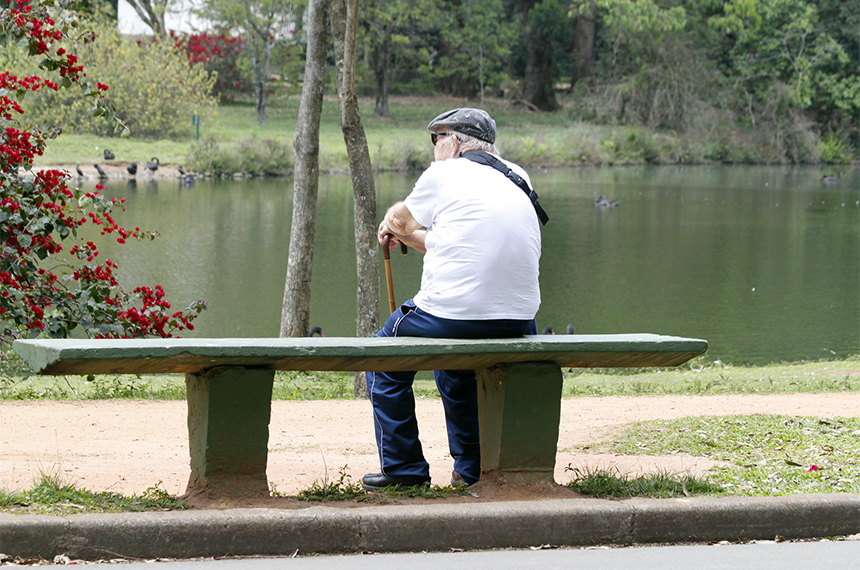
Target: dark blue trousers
(393,401)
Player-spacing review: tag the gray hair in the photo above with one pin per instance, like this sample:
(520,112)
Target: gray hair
(468,142)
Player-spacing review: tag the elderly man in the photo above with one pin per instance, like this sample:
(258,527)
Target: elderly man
(482,243)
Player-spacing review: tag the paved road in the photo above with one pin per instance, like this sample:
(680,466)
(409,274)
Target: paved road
(832,555)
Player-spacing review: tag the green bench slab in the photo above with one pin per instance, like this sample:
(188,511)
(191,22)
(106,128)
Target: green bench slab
(230,385)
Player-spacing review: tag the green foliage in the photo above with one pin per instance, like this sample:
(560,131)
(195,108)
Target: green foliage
(615,485)
(768,454)
(401,40)
(833,150)
(151,84)
(790,62)
(259,157)
(657,74)
(344,489)
(407,155)
(52,496)
(782,68)
(737,15)
(478,43)
(624,17)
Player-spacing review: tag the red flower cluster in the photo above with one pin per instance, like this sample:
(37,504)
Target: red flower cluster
(43,292)
(217,51)
(38,30)
(205,47)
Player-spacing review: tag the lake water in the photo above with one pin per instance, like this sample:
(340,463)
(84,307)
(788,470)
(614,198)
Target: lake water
(763,262)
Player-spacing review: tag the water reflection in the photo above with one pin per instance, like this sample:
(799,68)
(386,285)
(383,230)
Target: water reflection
(763,262)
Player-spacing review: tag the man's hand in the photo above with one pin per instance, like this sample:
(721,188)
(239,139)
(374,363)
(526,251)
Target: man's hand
(399,223)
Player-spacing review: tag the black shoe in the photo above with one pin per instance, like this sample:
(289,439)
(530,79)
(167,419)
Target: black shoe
(379,481)
(458,481)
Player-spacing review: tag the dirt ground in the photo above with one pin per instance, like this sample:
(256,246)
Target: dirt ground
(128,446)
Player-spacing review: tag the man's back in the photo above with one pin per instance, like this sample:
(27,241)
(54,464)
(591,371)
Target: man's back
(483,243)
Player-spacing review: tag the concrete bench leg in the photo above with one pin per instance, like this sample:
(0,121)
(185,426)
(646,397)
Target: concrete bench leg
(519,409)
(228,430)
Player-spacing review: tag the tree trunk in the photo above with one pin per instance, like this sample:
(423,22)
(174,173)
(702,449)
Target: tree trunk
(537,84)
(152,14)
(380,72)
(260,68)
(261,82)
(344,23)
(583,47)
(295,314)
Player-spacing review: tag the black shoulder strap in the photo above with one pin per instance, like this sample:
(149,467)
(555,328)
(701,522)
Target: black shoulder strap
(488,159)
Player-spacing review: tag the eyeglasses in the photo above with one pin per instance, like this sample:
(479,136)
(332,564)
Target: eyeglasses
(436,136)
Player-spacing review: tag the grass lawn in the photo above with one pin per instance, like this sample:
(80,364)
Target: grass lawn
(768,454)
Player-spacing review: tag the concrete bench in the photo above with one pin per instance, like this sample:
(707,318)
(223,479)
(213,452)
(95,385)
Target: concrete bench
(230,381)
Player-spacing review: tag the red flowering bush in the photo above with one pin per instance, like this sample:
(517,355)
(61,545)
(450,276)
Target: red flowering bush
(219,53)
(45,289)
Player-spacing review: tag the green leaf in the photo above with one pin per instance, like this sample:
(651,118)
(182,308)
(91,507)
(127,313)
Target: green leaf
(48,64)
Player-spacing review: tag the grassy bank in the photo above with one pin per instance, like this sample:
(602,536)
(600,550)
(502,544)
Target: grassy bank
(764,454)
(234,142)
(698,377)
(51,495)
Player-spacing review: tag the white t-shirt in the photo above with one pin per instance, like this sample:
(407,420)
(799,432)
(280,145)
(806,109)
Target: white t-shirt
(483,243)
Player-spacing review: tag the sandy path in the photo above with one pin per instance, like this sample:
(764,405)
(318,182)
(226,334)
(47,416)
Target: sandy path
(128,446)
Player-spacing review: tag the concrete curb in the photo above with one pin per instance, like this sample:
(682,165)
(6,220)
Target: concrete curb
(408,528)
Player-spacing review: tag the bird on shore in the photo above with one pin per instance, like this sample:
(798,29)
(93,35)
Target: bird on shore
(109,155)
(604,202)
(316,330)
(153,164)
(79,171)
(102,173)
(132,168)
(187,177)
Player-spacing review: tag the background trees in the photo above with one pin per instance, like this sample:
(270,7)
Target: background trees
(262,24)
(785,71)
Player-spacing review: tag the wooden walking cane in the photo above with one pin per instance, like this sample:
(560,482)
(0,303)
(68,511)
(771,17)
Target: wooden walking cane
(389,280)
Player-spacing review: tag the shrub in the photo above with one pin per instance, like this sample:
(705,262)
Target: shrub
(219,53)
(152,86)
(259,157)
(833,150)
